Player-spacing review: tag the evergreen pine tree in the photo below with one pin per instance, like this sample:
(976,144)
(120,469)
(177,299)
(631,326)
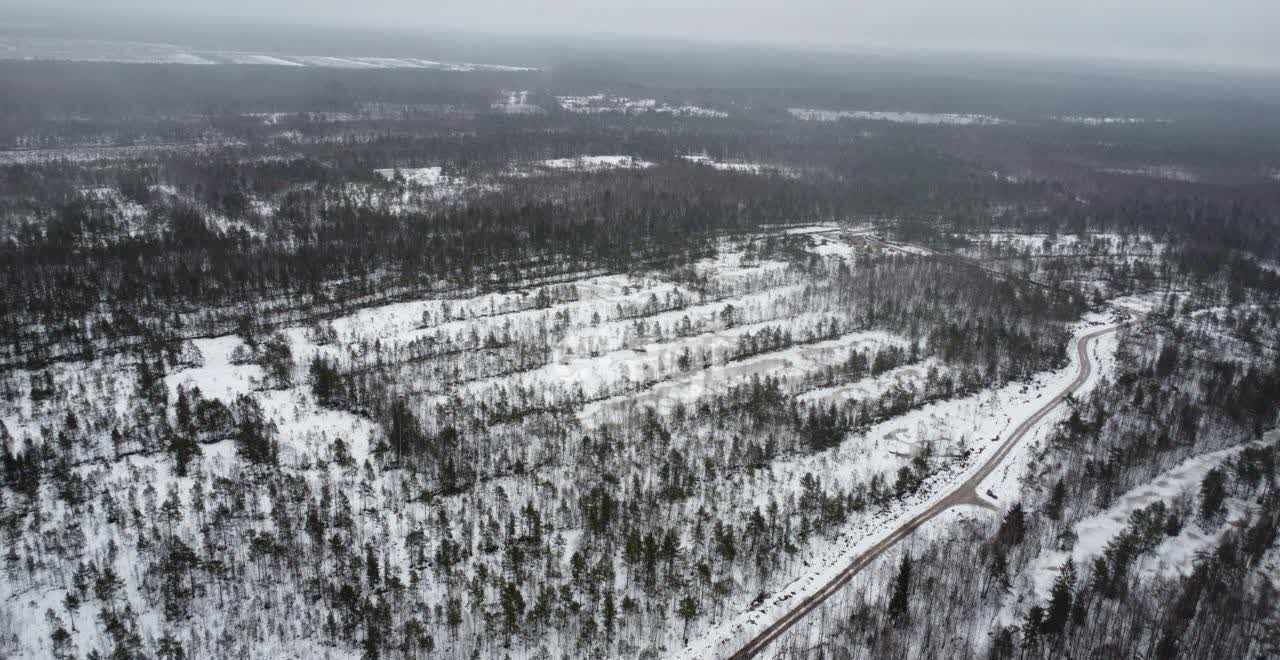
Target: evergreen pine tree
(899,611)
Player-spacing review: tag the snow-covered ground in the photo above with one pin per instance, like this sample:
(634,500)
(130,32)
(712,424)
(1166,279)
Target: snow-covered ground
(1174,555)
(790,365)
(1100,243)
(1170,172)
(596,104)
(980,421)
(737,166)
(426,176)
(90,153)
(257,58)
(513,102)
(87,50)
(1084,120)
(596,163)
(597,345)
(422,187)
(809,114)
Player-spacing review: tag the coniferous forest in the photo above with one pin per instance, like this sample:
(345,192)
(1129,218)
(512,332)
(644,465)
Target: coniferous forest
(578,357)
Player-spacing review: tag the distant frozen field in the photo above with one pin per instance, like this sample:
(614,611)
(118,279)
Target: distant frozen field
(85,50)
(737,165)
(422,175)
(1170,172)
(809,114)
(84,154)
(1065,244)
(595,163)
(595,104)
(1107,121)
(516,102)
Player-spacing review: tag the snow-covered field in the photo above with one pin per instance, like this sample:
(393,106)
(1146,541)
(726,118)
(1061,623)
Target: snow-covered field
(425,176)
(90,153)
(516,102)
(1065,244)
(1173,556)
(596,104)
(86,50)
(1085,120)
(422,187)
(1170,172)
(596,163)
(897,117)
(738,166)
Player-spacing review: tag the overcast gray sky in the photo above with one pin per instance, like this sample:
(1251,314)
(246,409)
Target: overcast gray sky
(1244,32)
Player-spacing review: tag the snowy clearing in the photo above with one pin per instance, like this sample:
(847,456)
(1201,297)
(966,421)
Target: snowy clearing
(596,104)
(1107,121)
(1174,555)
(596,163)
(926,118)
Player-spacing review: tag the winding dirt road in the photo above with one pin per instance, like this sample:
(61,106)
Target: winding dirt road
(964,494)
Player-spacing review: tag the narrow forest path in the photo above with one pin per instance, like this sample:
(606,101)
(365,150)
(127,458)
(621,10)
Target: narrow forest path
(965,493)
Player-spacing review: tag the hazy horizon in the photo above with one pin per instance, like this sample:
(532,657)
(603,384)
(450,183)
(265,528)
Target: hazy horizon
(1232,33)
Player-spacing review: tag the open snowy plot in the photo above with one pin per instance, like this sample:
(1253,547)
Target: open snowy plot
(358,62)
(595,163)
(981,421)
(847,244)
(101,382)
(335,62)
(404,322)
(596,104)
(738,166)
(464,67)
(590,295)
(425,176)
(1084,120)
(511,315)
(907,377)
(257,58)
(1141,303)
(106,384)
(87,154)
(306,431)
(93,50)
(685,388)
(215,220)
(815,228)
(809,114)
(734,266)
(1175,555)
(587,315)
(422,187)
(98,50)
(604,335)
(513,102)
(1168,172)
(133,214)
(626,372)
(1065,244)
